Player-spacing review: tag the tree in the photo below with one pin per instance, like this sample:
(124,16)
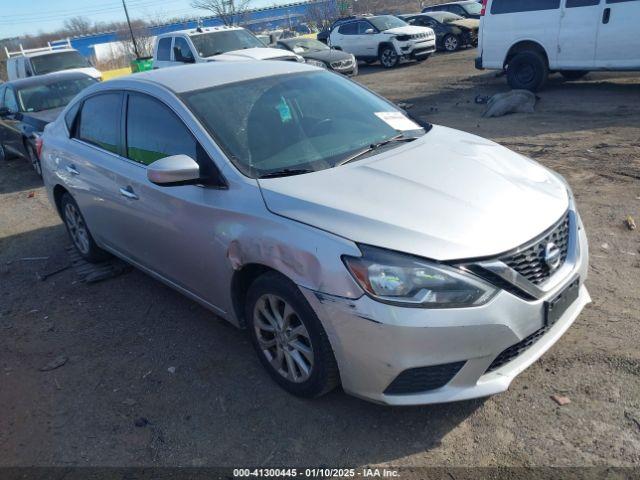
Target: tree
(230,12)
(77,26)
(321,14)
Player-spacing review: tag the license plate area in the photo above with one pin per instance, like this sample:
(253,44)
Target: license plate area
(555,308)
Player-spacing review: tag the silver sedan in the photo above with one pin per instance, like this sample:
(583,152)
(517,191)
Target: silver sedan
(410,263)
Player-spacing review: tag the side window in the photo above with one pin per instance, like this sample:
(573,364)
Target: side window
(100,121)
(70,117)
(154,132)
(181,50)
(363,27)
(10,100)
(349,29)
(514,6)
(164,49)
(582,3)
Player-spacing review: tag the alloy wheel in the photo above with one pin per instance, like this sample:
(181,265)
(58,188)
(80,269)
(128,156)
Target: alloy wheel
(451,43)
(77,228)
(283,338)
(389,57)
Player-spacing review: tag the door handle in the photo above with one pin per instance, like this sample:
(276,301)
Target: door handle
(606,15)
(129,193)
(72,170)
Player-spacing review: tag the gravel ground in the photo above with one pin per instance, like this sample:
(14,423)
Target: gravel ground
(116,401)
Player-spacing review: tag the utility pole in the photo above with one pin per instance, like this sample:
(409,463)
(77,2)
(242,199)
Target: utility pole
(133,38)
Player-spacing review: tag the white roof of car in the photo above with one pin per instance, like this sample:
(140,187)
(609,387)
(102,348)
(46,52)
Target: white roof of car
(194,31)
(212,74)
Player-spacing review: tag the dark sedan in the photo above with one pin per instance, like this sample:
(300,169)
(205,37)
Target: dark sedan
(28,105)
(318,54)
(452,31)
(465,9)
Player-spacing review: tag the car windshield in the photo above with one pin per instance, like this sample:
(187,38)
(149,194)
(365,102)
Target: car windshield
(301,45)
(37,98)
(215,43)
(385,22)
(55,62)
(474,8)
(296,122)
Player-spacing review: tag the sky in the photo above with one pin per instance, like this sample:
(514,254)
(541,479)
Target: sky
(18,17)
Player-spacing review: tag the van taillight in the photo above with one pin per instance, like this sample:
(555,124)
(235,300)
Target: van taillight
(484,8)
(39,146)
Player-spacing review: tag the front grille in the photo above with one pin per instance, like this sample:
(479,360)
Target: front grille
(515,350)
(423,379)
(342,64)
(530,262)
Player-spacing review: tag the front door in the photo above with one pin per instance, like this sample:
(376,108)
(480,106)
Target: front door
(578,34)
(619,38)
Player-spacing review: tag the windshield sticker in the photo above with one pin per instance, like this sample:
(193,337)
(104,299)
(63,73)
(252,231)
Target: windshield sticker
(283,110)
(397,121)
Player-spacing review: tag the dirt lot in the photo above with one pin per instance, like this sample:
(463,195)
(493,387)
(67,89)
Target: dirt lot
(219,408)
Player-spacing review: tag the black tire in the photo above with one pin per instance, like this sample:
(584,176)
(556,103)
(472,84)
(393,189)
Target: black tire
(573,74)
(323,375)
(388,56)
(527,71)
(451,43)
(86,246)
(33,158)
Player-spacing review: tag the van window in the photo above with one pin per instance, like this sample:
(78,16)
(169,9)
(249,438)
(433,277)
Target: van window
(514,6)
(100,121)
(164,49)
(582,3)
(349,29)
(154,132)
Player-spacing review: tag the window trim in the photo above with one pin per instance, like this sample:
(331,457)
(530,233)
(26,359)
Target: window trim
(73,133)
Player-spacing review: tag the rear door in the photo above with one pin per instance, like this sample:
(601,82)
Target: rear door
(578,34)
(367,43)
(619,36)
(344,37)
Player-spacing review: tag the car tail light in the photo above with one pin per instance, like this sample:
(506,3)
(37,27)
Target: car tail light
(484,8)
(39,146)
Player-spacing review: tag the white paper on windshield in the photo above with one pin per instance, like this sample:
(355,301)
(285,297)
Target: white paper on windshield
(397,121)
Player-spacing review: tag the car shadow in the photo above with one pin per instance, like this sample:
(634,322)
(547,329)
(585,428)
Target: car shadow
(137,349)
(17,175)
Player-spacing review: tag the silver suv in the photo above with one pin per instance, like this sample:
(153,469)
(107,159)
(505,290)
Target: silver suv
(411,263)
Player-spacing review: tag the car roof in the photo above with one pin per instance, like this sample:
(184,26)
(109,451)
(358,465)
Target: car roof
(199,76)
(46,79)
(198,31)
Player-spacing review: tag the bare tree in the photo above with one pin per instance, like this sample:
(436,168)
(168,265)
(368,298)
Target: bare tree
(144,40)
(230,12)
(320,15)
(77,26)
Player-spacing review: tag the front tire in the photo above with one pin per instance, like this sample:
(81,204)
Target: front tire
(573,74)
(79,231)
(451,43)
(388,57)
(289,338)
(527,70)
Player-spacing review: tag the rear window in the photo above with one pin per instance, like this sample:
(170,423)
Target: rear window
(164,49)
(100,121)
(55,62)
(514,6)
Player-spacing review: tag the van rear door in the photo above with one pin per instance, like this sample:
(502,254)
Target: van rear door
(578,34)
(618,39)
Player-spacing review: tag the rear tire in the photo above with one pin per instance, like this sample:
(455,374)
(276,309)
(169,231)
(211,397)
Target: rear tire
(79,231)
(527,70)
(388,57)
(288,337)
(573,74)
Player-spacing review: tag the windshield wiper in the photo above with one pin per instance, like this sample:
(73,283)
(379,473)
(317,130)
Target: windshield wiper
(375,146)
(285,172)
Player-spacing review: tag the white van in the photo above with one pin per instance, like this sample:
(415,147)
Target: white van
(25,63)
(530,38)
(213,44)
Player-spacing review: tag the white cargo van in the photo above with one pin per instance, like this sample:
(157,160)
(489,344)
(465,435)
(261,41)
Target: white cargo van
(530,38)
(25,63)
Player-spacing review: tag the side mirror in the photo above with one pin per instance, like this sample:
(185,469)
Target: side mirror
(369,31)
(4,112)
(173,170)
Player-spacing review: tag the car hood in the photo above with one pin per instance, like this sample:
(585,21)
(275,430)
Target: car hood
(257,53)
(469,23)
(449,195)
(408,30)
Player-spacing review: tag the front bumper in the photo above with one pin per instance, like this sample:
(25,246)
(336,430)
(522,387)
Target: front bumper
(417,49)
(374,343)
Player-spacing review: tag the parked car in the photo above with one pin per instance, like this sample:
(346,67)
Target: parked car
(213,44)
(323,36)
(452,32)
(385,38)
(28,105)
(412,263)
(464,9)
(26,63)
(318,54)
(531,39)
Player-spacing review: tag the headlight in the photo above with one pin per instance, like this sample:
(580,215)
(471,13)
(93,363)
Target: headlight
(410,281)
(316,63)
